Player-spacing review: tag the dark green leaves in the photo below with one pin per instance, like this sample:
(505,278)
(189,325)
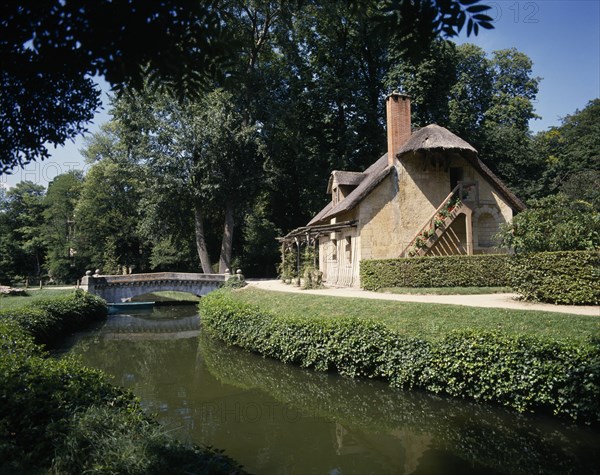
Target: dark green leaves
(49,50)
(451,271)
(567,278)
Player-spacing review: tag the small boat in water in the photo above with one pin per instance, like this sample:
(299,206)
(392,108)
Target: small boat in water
(126,307)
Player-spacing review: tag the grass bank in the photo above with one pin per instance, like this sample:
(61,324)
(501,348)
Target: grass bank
(58,416)
(31,295)
(424,320)
(512,358)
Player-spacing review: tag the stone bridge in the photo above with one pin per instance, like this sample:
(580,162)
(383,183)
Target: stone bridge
(120,288)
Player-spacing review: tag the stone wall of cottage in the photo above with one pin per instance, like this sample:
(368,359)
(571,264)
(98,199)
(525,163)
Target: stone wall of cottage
(391,215)
(380,222)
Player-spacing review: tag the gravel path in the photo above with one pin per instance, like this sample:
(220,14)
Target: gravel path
(487,300)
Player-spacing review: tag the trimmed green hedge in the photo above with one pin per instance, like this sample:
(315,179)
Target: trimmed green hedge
(524,373)
(558,277)
(47,320)
(490,270)
(571,277)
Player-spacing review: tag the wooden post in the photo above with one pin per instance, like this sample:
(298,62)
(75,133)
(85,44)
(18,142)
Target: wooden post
(469,226)
(297,260)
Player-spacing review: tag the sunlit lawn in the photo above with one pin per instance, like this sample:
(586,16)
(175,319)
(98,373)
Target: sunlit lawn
(423,319)
(167,296)
(12,301)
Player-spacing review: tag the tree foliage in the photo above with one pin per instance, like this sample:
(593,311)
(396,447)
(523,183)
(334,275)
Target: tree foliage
(107,212)
(49,50)
(203,150)
(554,223)
(22,246)
(59,226)
(570,155)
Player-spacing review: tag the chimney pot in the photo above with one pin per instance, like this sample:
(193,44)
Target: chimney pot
(398,123)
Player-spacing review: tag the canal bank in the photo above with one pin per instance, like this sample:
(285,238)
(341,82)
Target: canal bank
(59,416)
(281,419)
(529,361)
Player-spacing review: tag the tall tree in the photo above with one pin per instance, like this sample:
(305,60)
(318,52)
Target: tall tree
(7,245)
(22,242)
(571,154)
(431,82)
(471,94)
(506,146)
(107,213)
(59,226)
(203,150)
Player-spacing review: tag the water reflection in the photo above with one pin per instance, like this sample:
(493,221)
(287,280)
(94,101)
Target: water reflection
(432,430)
(276,418)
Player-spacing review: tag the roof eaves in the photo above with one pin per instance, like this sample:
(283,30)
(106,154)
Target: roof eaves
(317,229)
(320,215)
(513,199)
(359,193)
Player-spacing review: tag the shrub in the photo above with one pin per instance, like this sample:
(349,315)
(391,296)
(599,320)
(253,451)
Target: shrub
(448,271)
(14,340)
(48,319)
(235,282)
(524,373)
(558,277)
(39,394)
(288,266)
(76,309)
(553,223)
(38,322)
(121,441)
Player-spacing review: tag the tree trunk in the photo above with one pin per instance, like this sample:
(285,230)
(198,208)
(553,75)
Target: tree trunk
(227,242)
(201,241)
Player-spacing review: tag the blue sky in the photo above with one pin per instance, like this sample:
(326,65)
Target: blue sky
(562,37)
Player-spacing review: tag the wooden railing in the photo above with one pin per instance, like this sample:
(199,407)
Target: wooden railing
(438,224)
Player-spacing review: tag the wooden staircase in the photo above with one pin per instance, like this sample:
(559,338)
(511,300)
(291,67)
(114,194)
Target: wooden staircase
(436,236)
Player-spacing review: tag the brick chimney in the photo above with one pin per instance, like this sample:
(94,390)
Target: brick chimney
(398,123)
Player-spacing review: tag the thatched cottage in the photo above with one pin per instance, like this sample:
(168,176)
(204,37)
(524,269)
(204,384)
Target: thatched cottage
(429,194)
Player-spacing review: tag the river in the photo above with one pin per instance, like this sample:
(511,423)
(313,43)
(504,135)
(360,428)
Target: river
(275,418)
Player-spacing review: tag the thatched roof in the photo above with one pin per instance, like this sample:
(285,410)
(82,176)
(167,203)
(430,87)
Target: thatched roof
(372,176)
(429,139)
(513,200)
(344,178)
(434,137)
(321,214)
